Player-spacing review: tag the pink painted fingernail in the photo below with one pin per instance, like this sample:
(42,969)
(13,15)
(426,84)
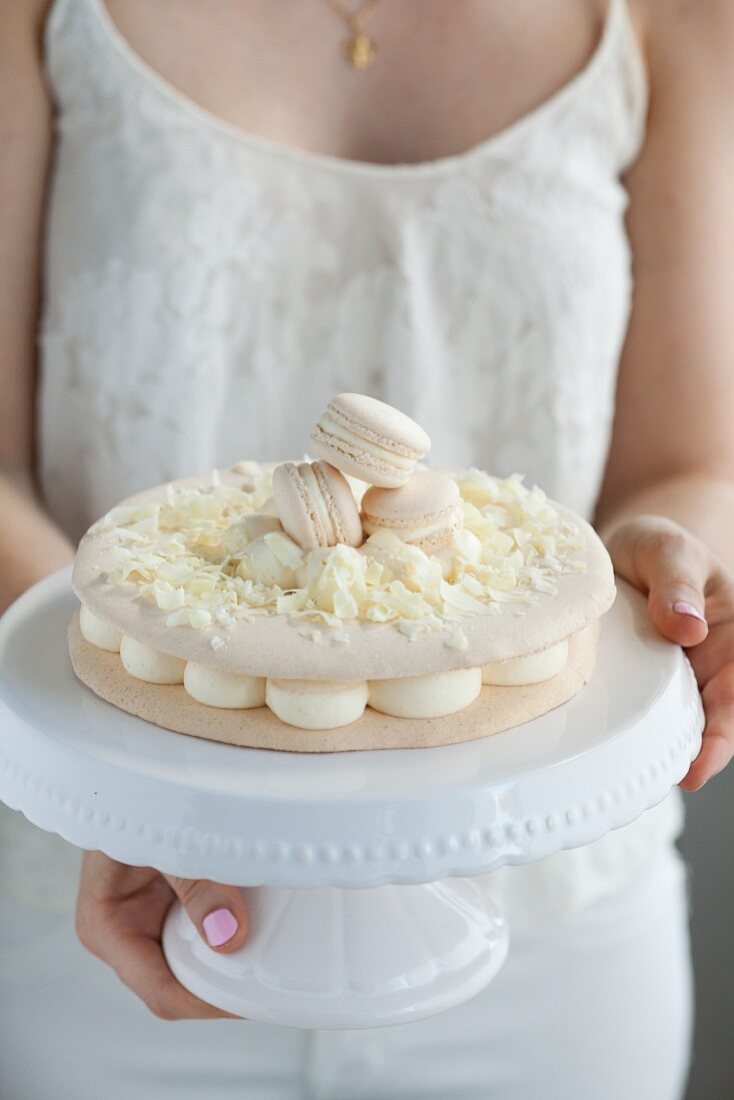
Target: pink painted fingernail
(683,608)
(219,927)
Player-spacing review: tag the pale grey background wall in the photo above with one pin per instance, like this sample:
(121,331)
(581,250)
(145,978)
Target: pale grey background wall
(708,845)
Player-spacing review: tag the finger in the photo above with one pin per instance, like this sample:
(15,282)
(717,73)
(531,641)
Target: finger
(716,752)
(713,653)
(673,568)
(139,962)
(219,912)
(717,747)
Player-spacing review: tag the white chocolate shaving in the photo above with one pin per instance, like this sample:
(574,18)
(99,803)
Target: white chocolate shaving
(203,557)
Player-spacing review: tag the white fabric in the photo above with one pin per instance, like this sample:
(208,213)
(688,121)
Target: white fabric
(593,1006)
(206,292)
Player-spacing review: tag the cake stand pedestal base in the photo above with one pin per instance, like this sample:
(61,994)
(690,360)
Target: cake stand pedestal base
(335,958)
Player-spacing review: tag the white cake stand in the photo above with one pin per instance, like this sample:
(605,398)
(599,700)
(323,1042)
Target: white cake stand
(357,866)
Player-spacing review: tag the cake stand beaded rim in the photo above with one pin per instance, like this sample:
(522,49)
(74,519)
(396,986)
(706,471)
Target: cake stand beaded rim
(500,832)
(508,844)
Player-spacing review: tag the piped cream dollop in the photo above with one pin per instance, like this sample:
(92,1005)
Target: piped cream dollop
(432,696)
(97,632)
(239,535)
(532,669)
(214,688)
(272,560)
(317,705)
(148,664)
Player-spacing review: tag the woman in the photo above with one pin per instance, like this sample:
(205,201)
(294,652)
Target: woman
(246,214)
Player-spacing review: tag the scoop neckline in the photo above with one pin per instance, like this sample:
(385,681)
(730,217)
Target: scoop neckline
(348,165)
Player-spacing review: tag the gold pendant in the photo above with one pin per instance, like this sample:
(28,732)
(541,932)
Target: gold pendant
(360,50)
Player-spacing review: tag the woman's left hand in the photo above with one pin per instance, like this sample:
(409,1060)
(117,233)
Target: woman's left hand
(691,601)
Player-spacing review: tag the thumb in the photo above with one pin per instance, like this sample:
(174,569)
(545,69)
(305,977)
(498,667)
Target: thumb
(672,567)
(219,912)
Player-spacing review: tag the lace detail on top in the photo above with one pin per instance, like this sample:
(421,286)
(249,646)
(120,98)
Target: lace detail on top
(207,291)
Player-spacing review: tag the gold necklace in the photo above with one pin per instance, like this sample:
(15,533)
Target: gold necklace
(359,48)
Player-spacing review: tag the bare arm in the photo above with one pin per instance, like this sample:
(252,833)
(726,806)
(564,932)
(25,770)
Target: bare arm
(666,508)
(120,910)
(30,544)
(673,443)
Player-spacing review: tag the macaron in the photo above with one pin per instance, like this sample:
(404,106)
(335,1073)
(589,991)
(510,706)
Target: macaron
(425,512)
(316,505)
(370,440)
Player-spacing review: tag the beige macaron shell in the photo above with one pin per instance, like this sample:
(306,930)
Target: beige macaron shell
(316,505)
(295,507)
(369,439)
(381,423)
(426,511)
(340,503)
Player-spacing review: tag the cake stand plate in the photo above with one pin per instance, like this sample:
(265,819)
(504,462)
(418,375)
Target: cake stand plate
(344,856)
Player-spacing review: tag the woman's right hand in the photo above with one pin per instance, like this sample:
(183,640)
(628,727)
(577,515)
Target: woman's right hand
(120,916)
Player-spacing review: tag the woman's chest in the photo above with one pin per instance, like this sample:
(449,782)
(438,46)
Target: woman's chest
(445,75)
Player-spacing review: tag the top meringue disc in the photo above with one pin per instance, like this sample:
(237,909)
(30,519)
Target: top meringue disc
(370,440)
(523,574)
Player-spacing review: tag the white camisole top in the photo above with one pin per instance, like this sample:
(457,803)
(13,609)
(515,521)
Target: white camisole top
(206,292)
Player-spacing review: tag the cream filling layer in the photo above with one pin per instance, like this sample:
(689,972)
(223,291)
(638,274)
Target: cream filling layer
(319,705)
(533,669)
(352,439)
(97,632)
(148,664)
(411,534)
(313,705)
(221,689)
(432,696)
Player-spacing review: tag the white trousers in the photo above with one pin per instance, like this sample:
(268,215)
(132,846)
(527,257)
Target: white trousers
(595,1005)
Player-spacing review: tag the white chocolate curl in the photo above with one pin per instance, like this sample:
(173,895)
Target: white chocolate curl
(178,553)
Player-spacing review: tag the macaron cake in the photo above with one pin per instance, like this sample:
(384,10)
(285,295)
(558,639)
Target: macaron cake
(263,606)
(370,440)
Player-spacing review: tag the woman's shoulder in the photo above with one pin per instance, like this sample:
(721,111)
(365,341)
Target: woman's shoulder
(27,16)
(23,22)
(677,20)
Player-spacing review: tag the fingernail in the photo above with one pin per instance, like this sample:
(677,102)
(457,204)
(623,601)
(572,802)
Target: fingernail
(219,927)
(683,608)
